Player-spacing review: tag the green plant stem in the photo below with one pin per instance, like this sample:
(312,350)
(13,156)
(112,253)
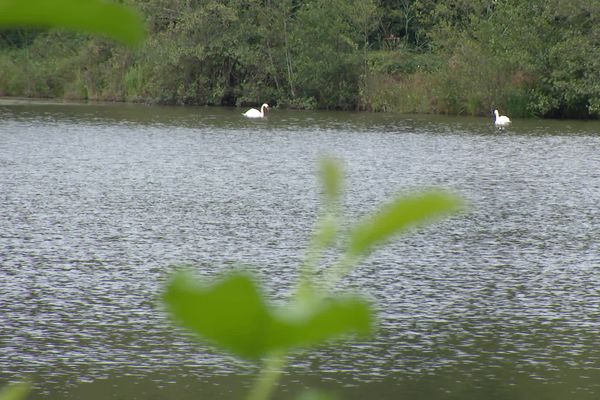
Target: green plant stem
(308,269)
(339,270)
(316,247)
(269,377)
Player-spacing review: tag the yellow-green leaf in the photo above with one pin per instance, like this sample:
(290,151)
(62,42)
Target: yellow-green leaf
(16,391)
(112,20)
(398,216)
(233,315)
(229,313)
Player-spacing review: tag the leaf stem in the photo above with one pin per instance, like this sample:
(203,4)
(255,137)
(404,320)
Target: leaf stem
(321,238)
(339,270)
(269,377)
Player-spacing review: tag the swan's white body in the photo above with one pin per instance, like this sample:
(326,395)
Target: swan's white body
(254,113)
(501,120)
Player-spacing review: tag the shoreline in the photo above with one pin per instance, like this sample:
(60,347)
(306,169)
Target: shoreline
(38,101)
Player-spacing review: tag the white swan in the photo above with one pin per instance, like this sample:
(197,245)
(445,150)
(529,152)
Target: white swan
(254,113)
(501,120)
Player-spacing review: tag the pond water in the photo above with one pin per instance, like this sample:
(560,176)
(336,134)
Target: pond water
(100,203)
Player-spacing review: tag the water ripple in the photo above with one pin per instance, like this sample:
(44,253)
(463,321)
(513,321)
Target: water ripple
(100,204)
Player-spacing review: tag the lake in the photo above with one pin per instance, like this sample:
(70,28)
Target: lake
(101,203)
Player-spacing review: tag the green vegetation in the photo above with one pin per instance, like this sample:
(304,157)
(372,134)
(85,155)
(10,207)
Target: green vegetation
(232,314)
(526,57)
(16,391)
(93,16)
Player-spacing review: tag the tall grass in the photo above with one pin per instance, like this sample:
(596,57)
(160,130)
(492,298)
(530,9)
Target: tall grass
(469,81)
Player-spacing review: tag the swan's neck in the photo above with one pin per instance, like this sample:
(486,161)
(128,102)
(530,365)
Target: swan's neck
(262,110)
(497,114)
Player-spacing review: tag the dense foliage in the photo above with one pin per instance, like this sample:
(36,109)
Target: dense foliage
(527,57)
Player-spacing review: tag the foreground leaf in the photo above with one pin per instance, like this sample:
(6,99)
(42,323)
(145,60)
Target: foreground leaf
(229,313)
(319,321)
(92,16)
(398,216)
(16,391)
(233,315)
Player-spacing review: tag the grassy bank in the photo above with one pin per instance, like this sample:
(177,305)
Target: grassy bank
(408,83)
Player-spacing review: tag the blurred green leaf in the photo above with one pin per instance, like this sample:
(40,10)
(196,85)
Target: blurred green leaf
(16,391)
(314,322)
(115,21)
(398,216)
(232,314)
